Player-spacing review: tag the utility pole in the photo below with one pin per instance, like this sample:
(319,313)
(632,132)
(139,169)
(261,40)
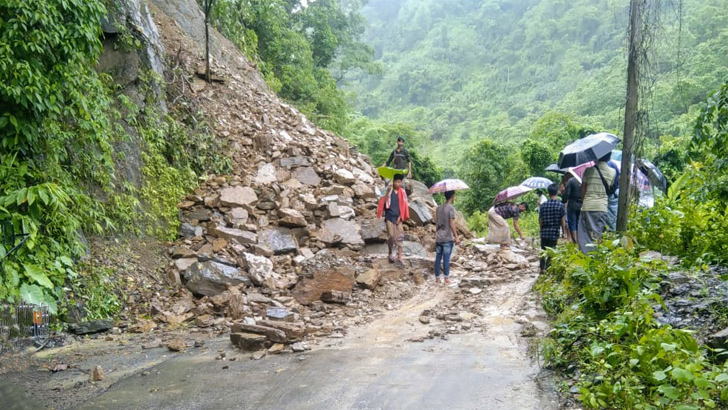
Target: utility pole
(208,11)
(630,111)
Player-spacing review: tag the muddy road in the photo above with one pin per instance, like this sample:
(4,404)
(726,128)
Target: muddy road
(382,365)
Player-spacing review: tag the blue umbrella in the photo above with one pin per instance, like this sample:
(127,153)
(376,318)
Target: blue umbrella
(537,182)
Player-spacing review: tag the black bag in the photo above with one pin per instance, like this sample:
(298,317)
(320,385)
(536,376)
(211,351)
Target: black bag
(611,189)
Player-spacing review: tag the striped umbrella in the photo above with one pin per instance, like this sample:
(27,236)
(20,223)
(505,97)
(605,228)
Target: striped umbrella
(537,182)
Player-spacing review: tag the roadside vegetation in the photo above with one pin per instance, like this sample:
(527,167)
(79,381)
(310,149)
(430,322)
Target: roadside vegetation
(605,335)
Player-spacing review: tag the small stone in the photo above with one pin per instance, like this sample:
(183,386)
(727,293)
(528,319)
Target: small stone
(425,320)
(218,244)
(298,347)
(154,344)
(98,374)
(177,346)
(335,296)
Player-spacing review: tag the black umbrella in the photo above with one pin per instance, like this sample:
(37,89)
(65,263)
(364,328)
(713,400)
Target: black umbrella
(555,168)
(653,173)
(589,148)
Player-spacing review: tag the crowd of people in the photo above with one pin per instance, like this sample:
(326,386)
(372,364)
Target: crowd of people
(586,208)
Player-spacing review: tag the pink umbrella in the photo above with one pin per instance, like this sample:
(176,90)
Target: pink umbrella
(447,185)
(579,170)
(511,193)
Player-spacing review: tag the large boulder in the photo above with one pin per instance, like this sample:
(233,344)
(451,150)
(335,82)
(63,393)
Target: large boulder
(337,230)
(373,230)
(419,212)
(416,189)
(238,196)
(309,290)
(279,240)
(212,278)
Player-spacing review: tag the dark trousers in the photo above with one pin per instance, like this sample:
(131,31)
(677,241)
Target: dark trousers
(547,243)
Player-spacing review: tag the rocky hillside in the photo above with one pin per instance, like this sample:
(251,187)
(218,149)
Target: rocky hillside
(293,225)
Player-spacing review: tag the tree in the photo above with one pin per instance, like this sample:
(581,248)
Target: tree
(484,168)
(537,156)
(630,112)
(709,145)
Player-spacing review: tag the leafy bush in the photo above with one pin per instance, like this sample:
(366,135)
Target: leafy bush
(605,333)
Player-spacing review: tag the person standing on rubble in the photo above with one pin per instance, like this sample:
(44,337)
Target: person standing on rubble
(400,158)
(446,236)
(395,209)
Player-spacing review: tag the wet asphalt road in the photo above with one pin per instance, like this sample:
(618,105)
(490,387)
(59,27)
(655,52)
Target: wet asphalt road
(456,374)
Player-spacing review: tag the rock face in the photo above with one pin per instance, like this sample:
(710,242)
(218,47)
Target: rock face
(212,278)
(309,290)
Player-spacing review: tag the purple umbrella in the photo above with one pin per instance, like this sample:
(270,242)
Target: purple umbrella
(447,185)
(511,193)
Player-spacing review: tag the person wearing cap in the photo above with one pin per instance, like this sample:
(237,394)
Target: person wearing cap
(400,158)
(395,209)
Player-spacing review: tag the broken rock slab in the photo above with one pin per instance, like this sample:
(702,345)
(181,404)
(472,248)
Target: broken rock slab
(309,290)
(238,196)
(248,341)
(291,218)
(260,269)
(272,334)
(91,326)
(335,296)
(373,231)
(212,278)
(419,212)
(369,279)
(279,240)
(337,230)
(293,331)
(240,236)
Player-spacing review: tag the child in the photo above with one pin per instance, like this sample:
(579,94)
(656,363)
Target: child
(393,205)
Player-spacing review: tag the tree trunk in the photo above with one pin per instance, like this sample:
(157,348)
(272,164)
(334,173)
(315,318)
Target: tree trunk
(208,10)
(630,113)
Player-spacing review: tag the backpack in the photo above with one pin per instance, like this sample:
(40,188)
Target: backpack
(609,189)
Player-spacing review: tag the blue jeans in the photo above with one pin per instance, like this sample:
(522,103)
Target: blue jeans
(444,250)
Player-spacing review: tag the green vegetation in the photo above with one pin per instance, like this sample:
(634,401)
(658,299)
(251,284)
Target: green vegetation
(59,167)
(300,50)
(605,333)
(468,70)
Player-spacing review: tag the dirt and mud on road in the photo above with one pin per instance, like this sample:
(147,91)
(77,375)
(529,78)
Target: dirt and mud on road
(464,346)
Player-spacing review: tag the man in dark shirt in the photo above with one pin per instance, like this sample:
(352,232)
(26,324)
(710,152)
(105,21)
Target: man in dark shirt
(551,220)
(400,157)
(572,199)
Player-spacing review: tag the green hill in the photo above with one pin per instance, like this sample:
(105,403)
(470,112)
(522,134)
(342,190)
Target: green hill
(465,70)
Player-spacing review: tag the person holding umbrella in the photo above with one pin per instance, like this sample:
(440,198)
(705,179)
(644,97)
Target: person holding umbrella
(446,235)
(596,187)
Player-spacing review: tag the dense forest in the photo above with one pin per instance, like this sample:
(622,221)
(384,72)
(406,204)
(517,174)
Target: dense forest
(462,71)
